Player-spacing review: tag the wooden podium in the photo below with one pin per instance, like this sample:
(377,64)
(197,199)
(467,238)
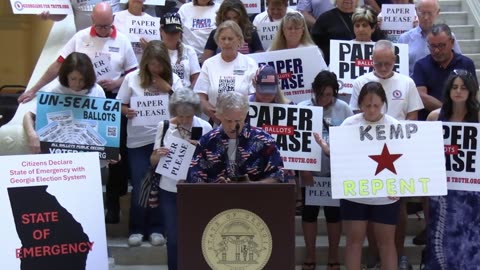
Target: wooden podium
(232,224)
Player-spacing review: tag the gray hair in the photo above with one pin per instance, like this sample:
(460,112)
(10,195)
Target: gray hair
(228,25)
(232,100)
(419,3)
(441,28)
(384,44)
(182,98)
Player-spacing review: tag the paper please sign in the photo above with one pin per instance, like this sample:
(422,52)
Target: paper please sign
(38,6)
(52,212)
(150,110)
(71,124)
(103,69)
(267,31)
(321,193)
(296,69)
(461,152)
(175,165)
(252,6)
(351,59)
(403,159)
(147,28)
(149,2)
(292,126)
(397,19)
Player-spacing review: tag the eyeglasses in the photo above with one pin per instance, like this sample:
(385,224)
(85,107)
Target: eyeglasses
(462,72)
(425,13)
(103,26)
(439,46)
(383,64)
(293,28)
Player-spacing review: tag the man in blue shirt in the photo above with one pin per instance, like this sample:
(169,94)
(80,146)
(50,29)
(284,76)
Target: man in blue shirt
(235,148)
(431,72)
(416,38)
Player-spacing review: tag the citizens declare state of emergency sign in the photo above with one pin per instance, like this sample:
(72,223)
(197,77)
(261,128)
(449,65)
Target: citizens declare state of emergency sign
(296,69)
(292,127)
(400,160)
(70,124)
(351,59)
(52,212)
(461,155)
(38,6)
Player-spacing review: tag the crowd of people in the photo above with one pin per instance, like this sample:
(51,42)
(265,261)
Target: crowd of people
(202,64)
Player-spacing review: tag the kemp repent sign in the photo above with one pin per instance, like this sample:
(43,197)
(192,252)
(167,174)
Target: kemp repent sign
(352,59)
(402,160)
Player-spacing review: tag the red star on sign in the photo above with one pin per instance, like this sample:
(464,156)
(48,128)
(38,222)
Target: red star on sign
(385,160)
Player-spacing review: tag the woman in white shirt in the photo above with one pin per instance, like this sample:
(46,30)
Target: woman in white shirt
(226,71)
(153,78)
(292,33)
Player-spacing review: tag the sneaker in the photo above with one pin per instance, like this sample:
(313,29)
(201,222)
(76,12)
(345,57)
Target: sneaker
(403,264)
(135,240)
(157,239)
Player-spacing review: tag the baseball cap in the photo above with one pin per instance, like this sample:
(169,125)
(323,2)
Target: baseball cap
(266,80)
(171,23)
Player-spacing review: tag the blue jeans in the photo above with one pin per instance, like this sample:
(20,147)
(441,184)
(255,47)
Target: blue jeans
(142,220)
(168,204)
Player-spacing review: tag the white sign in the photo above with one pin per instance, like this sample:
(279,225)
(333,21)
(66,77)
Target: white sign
(144,27)
(351,59)
(267,31)
(296,69)
(150,109)
(39,6)
(292,127)
(252,6)
(397,19)
(149,2)
(321,193)
(103,69)
(400,160)
(461,149)
(52,212)
(175,165)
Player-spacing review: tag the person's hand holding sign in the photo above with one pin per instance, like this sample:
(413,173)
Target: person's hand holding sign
(323,144)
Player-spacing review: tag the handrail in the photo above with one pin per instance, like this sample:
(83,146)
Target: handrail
(473,7)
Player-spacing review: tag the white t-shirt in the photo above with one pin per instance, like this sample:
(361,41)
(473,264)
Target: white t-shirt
(218,76)
(188,64)
(358,119)
(402,94)
(122,22)
(263,17)
(138,136)
(118,49)
(167,183)
(198,22)
(82,11)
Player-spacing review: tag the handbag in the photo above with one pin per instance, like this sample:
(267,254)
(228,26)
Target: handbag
(150,182)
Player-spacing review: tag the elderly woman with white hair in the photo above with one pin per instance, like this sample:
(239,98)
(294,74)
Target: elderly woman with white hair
(183,105)
(235,149)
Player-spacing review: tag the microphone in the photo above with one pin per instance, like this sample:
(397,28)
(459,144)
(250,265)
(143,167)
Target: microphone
(238,178)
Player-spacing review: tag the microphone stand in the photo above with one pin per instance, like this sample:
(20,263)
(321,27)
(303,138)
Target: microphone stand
(238,178)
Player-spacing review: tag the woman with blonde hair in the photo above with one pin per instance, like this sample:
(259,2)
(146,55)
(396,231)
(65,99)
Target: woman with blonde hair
(292,33)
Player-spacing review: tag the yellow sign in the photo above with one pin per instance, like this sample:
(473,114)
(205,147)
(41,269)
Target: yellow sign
(236,239)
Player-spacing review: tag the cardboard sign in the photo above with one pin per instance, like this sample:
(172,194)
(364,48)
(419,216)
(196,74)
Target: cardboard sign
(150,110)
(296,69)
(149,2)
(38,6)
(52,212)
(351,59)
(175,165)
(461,149)
(397,19)
(400,160)
(266,32)
(321,193)
(292,126)
(71,124)
(103,69)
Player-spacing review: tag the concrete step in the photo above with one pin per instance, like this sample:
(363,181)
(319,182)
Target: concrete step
(450,5)
(453,18)
(469,46)
(463,31)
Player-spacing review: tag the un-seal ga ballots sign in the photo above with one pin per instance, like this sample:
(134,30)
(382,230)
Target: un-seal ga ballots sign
(461,155)
(292,127)
(351,59)
(52,212)
(400,160)
(70,124)
(296,69)
(38,6)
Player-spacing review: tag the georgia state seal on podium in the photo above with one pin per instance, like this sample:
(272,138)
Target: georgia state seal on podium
(236,239)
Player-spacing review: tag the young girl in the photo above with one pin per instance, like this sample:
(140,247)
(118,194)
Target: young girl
(381,212)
